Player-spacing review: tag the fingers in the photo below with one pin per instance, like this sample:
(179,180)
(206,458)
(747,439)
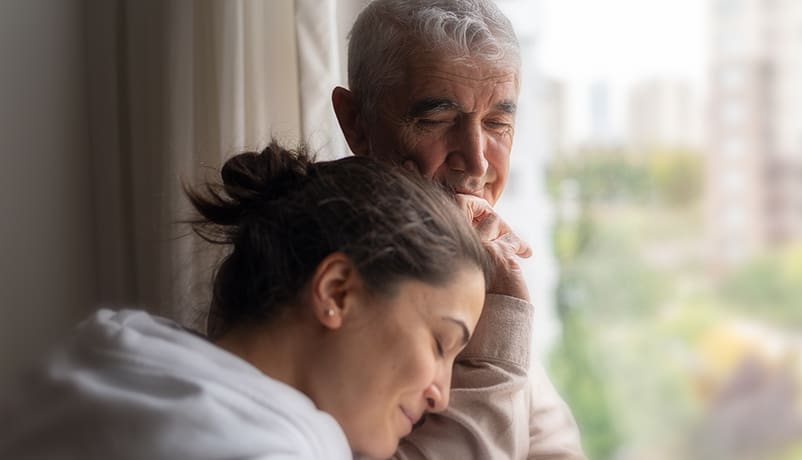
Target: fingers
(491,228)
(515,245)
(507,278)
(502,244)
(474,208)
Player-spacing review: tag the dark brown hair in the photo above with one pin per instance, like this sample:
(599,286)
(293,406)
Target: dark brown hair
(283,213)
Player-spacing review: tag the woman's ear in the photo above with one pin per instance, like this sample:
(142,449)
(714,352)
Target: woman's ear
(332,284)
(349,117)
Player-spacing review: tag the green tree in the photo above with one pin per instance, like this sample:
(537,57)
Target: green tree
(580,383)
(676,177)
(608,298)
(770,287)
(604,177)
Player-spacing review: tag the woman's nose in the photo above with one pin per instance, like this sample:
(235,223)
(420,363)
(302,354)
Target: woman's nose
(438,393)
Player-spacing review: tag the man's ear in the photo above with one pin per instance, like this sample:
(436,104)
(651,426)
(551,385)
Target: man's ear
(333,285)
(349,116)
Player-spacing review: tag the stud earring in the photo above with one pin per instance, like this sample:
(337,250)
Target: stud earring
(330,312)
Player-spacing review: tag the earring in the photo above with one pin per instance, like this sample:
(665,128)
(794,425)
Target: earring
(329,312)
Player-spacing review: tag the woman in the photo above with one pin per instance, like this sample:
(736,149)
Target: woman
(349,288)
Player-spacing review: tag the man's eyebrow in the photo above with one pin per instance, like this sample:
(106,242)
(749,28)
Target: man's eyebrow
(465,334)
(507,107)
(429,105)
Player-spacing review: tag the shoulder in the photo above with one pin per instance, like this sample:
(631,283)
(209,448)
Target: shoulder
(157,391)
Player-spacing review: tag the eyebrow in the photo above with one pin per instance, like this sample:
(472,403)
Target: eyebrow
(507,107)
(431,105)
(465,334)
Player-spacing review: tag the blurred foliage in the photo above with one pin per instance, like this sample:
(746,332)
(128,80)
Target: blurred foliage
(604,177)
(630,362)
(610,281)
(676,177)
(570,241)
(575,373)
(769,287)
(666,177)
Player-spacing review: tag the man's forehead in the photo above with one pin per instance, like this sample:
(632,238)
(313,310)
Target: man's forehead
(460,73)
(424,85)
(474,66)
(429,74)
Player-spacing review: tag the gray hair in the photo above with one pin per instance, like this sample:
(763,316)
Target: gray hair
(388,33)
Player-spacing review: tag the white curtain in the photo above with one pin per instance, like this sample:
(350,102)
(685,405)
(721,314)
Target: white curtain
(175,88)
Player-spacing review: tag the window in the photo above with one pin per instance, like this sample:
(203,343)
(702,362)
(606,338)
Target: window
(733,181)
(733,147)
(731,78)
(732,113)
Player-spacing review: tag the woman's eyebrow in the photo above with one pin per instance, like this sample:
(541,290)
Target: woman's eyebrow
(465,334)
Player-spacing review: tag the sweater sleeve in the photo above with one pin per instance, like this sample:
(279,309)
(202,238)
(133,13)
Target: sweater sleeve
(553,433)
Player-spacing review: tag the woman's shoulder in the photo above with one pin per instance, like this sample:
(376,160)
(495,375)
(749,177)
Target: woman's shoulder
(133,382)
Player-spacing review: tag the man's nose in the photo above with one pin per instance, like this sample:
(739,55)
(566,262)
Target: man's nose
(468,156)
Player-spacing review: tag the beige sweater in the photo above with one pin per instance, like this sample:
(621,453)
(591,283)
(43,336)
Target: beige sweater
(501,406)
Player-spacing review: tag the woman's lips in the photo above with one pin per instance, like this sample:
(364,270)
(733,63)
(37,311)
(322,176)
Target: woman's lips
(411,418)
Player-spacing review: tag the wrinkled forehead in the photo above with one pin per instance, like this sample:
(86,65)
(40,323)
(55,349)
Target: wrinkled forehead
(469,65)
(433,77)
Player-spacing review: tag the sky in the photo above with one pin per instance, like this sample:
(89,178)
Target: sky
(619,43)
(623,40)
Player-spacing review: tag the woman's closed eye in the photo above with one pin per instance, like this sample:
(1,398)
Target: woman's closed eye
(439,347)
(446,345)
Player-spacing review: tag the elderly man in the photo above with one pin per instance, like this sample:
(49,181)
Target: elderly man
(434,85)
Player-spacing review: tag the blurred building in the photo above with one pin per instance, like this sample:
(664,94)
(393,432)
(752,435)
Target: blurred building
(577,118)
(553,105)
(600,105)
(663,113)
(754,169)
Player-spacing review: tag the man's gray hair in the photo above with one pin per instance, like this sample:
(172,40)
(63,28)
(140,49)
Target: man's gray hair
(388,34)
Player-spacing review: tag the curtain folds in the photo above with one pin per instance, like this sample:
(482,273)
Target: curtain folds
(175,88)
(319,71)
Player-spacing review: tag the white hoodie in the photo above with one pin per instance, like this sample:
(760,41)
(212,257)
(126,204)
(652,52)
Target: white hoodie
(133,386)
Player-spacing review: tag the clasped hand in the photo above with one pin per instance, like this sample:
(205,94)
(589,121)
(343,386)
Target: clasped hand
(503,245)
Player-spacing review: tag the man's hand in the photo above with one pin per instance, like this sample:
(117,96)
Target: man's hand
(503,245)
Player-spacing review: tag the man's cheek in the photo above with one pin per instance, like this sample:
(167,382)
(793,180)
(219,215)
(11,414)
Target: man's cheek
(427,162)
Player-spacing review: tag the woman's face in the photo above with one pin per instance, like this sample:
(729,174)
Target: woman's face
(391,361)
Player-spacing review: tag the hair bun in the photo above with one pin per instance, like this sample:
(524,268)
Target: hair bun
(271,174)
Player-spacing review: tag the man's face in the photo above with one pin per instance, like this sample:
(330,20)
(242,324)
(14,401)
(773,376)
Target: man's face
(454,121)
